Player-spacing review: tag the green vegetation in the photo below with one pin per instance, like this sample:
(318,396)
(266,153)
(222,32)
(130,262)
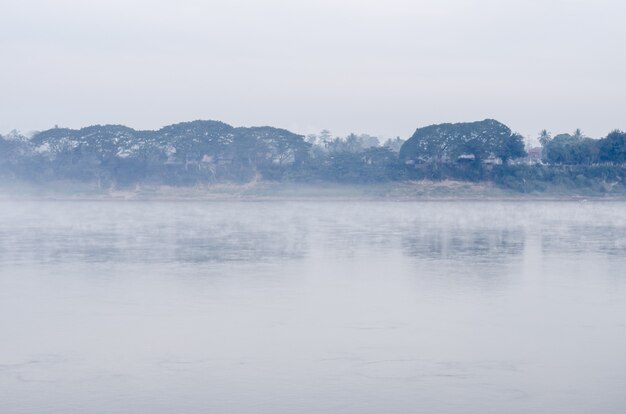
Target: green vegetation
(475,141)
(211,152)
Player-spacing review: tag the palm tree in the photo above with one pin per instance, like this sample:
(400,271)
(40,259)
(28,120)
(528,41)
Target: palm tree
(544,137)
(578,134)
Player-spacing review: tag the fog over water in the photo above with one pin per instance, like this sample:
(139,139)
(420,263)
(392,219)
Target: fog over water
(312,307)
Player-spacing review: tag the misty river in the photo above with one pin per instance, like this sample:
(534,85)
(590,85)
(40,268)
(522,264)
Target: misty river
(312,307)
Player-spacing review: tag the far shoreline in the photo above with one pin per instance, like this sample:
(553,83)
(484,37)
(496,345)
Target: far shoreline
(264,191)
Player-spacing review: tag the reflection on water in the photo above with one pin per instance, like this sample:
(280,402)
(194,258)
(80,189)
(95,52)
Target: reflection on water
(167,232)
(272,307)
(579,239)
(135,233)
(460,243)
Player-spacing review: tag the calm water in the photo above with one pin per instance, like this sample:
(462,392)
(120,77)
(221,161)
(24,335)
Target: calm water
(307,307)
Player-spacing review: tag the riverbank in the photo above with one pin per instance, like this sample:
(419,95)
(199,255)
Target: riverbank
(265,190)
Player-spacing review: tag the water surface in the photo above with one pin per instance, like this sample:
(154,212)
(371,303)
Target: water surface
(312,307)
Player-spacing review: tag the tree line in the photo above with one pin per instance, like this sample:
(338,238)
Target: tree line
(210,151)
(577,149)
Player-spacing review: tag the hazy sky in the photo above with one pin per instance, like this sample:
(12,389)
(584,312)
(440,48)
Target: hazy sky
(380,67)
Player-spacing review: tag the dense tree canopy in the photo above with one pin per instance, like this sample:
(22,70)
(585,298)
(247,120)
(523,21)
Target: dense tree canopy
(449,142)
(211,151)
(613,148)
(576,149)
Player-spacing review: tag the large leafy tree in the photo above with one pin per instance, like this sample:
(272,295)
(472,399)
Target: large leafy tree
(613,148)
(509,147)
(571,149)
(448,142)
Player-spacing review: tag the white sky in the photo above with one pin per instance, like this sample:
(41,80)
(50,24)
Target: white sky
(379,67)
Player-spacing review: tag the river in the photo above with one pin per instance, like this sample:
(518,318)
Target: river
(312,307)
